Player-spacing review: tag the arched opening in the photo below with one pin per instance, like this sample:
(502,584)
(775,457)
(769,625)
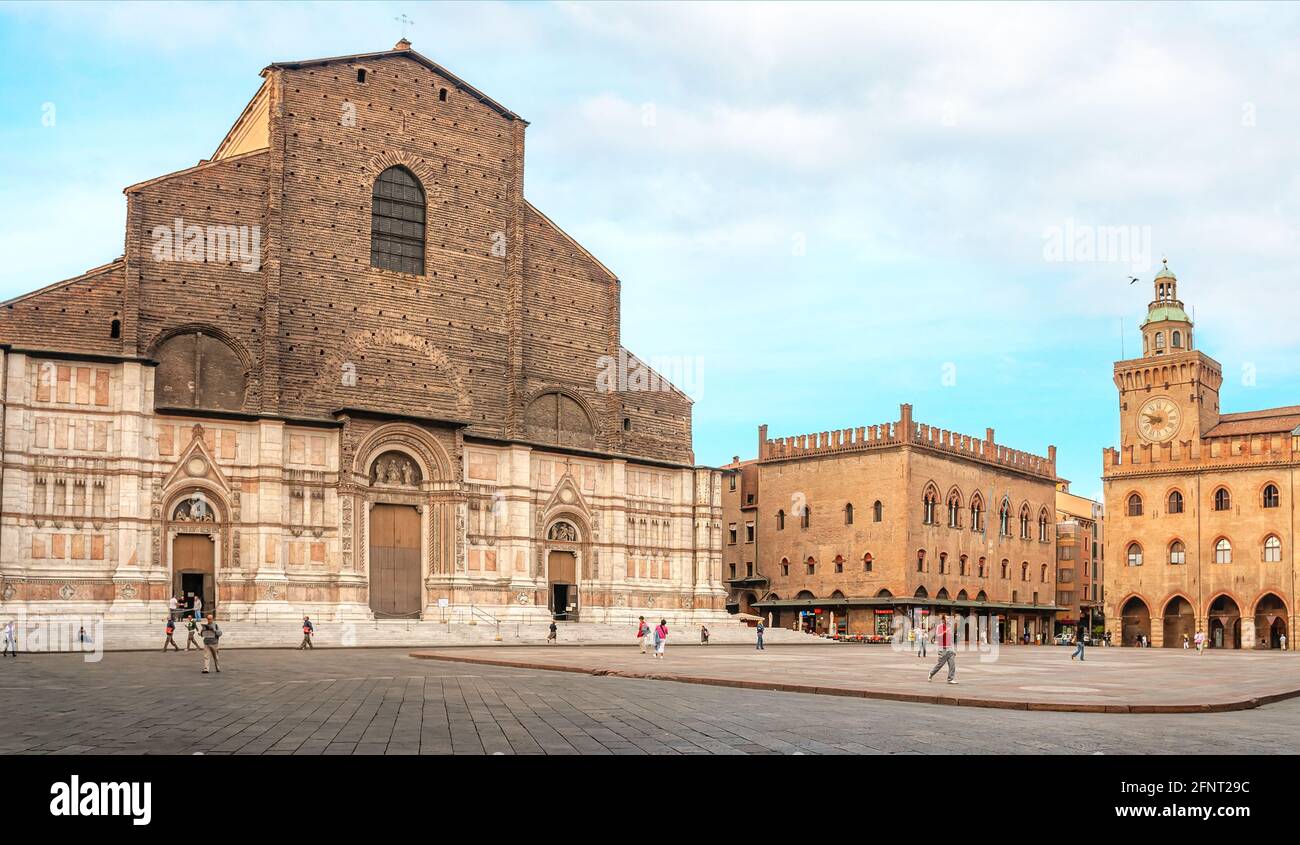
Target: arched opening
(556,417)
(884,594)
(942,594)
(981,596)
(562,569)
(1225,623)
(1270,621)
(1135,621)
(197,369)
(921,593)
(1175,502)
(397,222)
(193,524)
(1135,505)
(1179,622)
(877,512)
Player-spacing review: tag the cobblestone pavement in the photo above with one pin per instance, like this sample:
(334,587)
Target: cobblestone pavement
(1046,676)
(364,701)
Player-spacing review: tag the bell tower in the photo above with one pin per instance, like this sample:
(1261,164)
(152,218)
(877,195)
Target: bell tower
(1171,394)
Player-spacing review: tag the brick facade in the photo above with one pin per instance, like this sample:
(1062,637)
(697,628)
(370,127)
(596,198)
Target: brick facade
(279,389)
(871,547)
(1200,504)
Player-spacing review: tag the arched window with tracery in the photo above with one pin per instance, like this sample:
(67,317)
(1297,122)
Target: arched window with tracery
(1272,549)
(1024,522)
(1043,522)
(1004,519)
(1177,553)
(1134,505)
(1175,502)
(954,509)
(976,514)
(1134,554)
(397,222)
(930,500)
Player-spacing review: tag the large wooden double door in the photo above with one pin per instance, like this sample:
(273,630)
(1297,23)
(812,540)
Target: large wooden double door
(395,589)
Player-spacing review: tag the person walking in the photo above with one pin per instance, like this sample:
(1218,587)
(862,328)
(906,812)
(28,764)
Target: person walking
(943,639)
(1106,638)
(704,635)
(1078,650)
(191,628)
(171,630)
(211,632)
(307,630)
(11,639)
(198,606)
(1186,643)
(761,629)
(551,637)
(920,642)
(643,633)
(661,638)
(1200,641)
(1282,641)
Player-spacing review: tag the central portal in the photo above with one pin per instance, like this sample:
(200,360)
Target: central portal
(193,570)
(395,561)
(562,575)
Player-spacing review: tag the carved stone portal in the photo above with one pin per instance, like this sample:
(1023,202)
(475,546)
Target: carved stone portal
(193,509)
(395,469)
(563,532)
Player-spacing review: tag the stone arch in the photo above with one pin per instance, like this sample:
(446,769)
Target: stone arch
(200,366)
(981,596)
(1179,616)
(1271,617)
(921,593)
(882,593)
(566,419)
(805,595)
(433,462)
(422,170)
(352,358)
(1223,620)
(1135,619)
(217,530)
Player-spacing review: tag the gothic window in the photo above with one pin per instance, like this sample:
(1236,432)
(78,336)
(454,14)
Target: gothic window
(1222,499)
(1006,568)
(197,370)
(867,562)
(976,515)
(780,520)
(1177,553)
(1042,526)
(961,565)
(1042,575)
(1004,519)
(812,566)
(839,564)
(920,561)
(397,222)
(848,514)
(943,563)
(1272,550)
(930,500)
(1134,555)
(1175,502)
(1271,498)
(877,511)
(395,469)
(1024,522)
(1024,571)
(1223,551)
(785,566)
(558,418)
(1135,505)
(983,568)
(954,509)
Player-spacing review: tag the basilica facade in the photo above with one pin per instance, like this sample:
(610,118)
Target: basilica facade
(1199,503)
(344,367)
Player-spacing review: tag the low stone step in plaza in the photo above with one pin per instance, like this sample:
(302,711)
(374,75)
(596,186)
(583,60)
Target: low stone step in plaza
(142,636)
(1110,680)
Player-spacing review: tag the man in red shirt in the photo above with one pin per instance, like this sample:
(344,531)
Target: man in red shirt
(943,638)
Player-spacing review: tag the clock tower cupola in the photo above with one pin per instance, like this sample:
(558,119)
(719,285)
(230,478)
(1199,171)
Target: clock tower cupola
(1170,394)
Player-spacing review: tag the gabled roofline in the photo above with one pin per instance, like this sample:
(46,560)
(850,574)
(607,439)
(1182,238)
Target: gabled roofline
(261,90)
(414,56)
(203,165)
(115,264)
(572,241)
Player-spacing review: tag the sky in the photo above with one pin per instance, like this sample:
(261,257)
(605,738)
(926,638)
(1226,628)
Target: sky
(817,211)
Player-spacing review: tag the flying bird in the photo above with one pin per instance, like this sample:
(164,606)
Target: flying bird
(1132,280)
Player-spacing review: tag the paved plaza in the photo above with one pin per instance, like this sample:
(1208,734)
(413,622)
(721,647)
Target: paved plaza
(1114,680)
(382,701)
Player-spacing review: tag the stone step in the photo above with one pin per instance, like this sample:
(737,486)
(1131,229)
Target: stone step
(117,636)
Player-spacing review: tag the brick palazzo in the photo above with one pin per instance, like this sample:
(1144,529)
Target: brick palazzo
(387,398)
(900,519)
(1200,504)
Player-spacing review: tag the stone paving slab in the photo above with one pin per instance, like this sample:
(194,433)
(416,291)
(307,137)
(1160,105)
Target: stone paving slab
(1109,680)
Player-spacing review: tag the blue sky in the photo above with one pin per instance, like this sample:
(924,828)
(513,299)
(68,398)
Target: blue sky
(835,208)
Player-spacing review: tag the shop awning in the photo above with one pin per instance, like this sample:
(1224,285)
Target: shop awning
(904,602)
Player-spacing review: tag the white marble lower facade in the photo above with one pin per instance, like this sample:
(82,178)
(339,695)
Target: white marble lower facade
(110,508)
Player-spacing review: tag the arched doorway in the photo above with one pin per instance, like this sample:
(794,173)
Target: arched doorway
(562,570)
(394,532)
(1136,621)
(1225,623)
(195,540)
(1270,621)
(1180,621)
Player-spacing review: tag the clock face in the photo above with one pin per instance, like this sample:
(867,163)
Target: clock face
(1159,420)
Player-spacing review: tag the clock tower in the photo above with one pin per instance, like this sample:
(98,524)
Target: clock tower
(1171,394)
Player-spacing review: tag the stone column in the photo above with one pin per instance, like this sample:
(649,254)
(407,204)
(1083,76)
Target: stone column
(1248,638)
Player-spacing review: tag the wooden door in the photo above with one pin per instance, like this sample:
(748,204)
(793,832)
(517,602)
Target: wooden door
(395,560)
(195,554)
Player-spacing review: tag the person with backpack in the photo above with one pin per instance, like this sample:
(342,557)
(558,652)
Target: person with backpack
(211,632)
(551,637)
(643,633)
(191,628)
(171,630)
(943,639)
(761,630)
(307,630)
(661,638)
